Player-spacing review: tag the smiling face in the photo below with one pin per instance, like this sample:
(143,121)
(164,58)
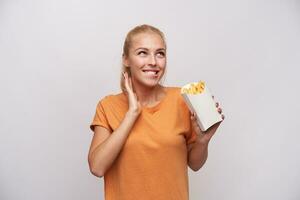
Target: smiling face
(146,59)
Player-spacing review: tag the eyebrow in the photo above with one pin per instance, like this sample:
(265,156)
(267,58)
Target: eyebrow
(143,48)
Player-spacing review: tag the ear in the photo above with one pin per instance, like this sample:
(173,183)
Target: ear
(125,61)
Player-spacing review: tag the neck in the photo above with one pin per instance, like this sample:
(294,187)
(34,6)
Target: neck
(146,95)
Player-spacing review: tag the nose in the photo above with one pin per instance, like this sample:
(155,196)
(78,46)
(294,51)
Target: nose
(152,60)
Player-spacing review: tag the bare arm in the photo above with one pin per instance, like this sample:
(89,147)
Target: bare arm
(105,147)
(197,155)
(198,151)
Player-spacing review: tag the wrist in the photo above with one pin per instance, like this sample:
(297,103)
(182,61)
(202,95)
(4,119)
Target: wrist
(132,114)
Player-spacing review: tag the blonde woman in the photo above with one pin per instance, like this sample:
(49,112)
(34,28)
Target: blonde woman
(145,137)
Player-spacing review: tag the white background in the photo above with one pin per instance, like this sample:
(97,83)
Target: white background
(59,57)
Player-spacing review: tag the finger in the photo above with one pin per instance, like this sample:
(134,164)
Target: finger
(211,131)
(126,81)
(220,110)
(136,97)
(130,82)
(194,122)
(223,116)
(193,116)
(125,78)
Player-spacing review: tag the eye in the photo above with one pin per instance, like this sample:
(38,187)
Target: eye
(161,54)
(142,53)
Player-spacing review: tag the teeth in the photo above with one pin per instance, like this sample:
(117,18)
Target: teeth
(150,72)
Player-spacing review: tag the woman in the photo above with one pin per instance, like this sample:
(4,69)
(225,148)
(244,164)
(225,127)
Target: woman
(145,137)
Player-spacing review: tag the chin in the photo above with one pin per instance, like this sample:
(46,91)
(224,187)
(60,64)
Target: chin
(150,83)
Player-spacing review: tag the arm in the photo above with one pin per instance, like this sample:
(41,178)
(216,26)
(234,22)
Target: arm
(105,147)
(197,154)
(198,151)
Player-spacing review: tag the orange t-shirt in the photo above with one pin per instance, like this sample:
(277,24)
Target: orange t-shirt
(152,164)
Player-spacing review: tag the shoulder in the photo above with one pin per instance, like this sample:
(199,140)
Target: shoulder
(175,92)
(174,95)
(112,99)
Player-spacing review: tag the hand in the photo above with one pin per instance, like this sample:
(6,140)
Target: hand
(134,104)
(204,137)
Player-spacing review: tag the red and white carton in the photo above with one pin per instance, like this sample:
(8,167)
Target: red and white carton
(201,103)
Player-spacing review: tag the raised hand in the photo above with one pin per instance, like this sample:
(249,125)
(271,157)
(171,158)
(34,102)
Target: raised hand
(204,137)
(134,104)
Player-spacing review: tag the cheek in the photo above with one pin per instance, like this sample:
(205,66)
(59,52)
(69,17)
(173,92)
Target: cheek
(137,63)
(135,67)
(162,63)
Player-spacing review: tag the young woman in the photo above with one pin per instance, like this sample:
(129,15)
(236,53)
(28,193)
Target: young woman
(145,137)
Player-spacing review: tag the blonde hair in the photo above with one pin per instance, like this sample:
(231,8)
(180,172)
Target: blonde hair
(128,42)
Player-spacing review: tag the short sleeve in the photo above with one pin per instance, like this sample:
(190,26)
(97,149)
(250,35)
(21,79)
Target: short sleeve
(100,118)
(190,135)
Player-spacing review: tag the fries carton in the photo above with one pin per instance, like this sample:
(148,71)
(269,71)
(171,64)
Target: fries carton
(199,100)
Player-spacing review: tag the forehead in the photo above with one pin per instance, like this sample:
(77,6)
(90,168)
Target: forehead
(147,40)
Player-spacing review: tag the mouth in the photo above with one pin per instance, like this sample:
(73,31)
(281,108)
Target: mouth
(151,71)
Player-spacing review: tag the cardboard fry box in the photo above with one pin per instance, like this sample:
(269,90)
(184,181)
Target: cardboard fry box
(199,100)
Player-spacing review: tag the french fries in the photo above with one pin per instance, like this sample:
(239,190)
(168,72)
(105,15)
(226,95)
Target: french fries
(193,88)
(199,100)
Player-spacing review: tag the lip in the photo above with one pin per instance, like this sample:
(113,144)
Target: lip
(151,70)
